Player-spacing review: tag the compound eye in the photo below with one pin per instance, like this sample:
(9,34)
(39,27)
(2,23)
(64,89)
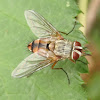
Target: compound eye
(77,46)
(75,55)
(77,43)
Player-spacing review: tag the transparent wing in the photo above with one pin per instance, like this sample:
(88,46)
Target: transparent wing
(29,65)
(39,26)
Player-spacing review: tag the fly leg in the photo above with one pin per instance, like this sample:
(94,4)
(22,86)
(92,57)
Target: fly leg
(69,31)
(82,62)
(72,60)
(63,33)
(78,61)
(62,70)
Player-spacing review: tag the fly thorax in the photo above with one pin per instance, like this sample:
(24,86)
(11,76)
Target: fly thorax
(51,46)
(63,48)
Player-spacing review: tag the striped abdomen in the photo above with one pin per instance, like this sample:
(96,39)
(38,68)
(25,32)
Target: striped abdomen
(38,44)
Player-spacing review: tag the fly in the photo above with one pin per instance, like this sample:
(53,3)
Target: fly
(50,48)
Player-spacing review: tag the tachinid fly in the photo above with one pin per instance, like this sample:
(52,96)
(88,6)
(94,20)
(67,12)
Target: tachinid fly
(48,49)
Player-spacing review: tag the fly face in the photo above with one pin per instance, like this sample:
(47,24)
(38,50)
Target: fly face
(76,50)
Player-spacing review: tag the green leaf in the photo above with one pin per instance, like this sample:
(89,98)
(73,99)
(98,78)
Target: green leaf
(46,84)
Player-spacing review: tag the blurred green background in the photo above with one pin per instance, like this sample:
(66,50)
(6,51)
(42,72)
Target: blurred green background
(92,32)
(15,35)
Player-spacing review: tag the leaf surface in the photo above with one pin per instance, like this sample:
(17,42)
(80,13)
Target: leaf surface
(46,84)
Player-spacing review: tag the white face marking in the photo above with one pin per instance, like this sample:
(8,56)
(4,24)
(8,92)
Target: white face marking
(72,54)
(78,52)
(73,44)
(78,47)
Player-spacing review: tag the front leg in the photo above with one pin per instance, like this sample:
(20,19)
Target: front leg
(72,60)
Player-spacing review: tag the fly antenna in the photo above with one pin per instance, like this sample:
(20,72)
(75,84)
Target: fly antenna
(69,31)
(62,70)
